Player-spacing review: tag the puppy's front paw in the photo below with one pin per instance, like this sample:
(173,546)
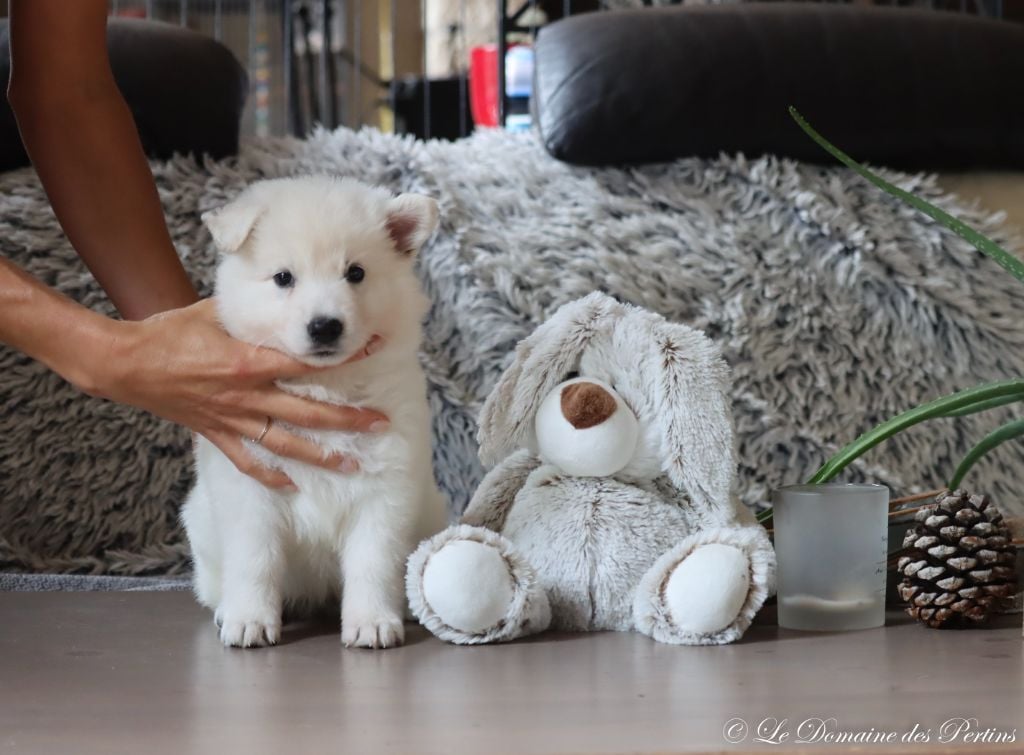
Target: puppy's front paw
(385,632)
(247,632)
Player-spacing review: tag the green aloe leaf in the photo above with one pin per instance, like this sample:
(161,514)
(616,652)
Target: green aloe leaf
(971,401)
(968,401)
(984,244)
(984,406)
(1009,431)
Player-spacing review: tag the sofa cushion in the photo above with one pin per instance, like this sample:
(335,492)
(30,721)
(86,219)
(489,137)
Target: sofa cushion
(908,88)
(186,91)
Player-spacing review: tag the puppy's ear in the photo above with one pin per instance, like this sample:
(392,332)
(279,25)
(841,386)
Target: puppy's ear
(410,221)
(233,223)
(690,385)
(541,362)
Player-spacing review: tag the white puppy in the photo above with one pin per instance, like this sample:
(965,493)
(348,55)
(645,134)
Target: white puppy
(318,268)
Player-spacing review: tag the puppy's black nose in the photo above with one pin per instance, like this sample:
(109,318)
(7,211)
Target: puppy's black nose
(324,331)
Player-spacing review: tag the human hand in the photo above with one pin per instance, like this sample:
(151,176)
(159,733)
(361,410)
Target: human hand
(182,366)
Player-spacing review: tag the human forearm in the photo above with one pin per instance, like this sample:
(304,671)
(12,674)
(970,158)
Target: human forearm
(179,365)
(63,335)
(178,362)
(107,202)
(83,142)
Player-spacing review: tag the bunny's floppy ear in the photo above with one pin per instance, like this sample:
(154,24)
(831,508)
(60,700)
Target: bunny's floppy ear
(541,362)
(691,394)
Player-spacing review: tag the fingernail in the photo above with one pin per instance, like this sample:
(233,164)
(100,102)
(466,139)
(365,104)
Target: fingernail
(291,487)
(380,426)
(349,466)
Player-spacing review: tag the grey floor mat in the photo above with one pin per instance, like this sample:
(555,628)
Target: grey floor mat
(88,583)
(836,306)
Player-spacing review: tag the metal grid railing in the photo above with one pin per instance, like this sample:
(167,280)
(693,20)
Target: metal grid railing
(399,65)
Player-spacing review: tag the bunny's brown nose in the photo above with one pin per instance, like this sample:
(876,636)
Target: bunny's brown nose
(586,405)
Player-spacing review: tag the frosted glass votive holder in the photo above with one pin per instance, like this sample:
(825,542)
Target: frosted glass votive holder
(831,542)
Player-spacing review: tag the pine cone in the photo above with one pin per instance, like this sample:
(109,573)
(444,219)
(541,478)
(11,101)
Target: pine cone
(958,566)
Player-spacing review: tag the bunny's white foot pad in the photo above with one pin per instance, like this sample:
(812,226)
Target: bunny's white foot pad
(706,590)
(469,585)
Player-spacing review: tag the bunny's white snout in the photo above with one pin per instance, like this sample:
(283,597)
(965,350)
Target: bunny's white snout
(584,428)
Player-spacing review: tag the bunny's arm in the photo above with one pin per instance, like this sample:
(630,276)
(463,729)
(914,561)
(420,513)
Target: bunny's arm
(498,490)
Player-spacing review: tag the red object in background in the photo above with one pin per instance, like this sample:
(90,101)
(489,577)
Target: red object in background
(483,85)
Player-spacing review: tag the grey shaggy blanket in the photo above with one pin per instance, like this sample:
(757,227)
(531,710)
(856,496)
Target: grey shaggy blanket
(836,307)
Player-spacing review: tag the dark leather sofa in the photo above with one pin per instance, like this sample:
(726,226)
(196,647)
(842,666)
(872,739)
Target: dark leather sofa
(904,87)
(185,90)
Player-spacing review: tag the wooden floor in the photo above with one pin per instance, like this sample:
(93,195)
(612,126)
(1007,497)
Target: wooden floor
(144,672)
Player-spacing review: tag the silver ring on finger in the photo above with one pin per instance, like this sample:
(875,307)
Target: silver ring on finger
(258,440)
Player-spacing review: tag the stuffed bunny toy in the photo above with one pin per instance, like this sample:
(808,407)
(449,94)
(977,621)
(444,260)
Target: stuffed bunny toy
(610,506)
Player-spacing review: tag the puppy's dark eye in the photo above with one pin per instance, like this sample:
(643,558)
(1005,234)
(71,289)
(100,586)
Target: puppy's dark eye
(571,375)
(284,279)
(355,273)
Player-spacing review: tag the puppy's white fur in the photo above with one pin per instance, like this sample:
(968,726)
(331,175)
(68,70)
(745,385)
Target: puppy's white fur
(258,550)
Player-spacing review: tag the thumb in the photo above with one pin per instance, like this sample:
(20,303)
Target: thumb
(259,362)
(270,364)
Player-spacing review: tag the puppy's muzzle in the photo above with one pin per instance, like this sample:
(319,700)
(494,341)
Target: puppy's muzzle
(325,331)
